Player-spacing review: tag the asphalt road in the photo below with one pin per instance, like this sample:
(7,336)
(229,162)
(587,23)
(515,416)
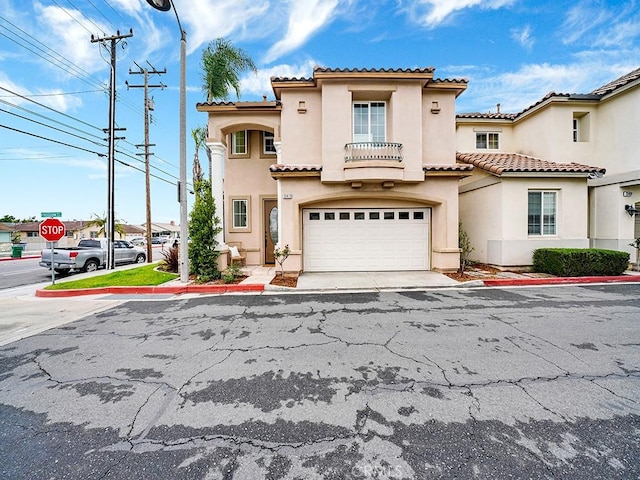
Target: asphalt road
(26,271)
(451,383)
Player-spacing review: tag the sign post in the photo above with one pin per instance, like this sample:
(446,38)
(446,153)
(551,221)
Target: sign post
(52,230)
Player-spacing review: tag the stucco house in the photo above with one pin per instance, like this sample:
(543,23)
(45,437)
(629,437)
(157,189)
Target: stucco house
(540,174)
(354,169)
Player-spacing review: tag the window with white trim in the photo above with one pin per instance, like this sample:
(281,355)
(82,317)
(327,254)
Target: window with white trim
(542,213)
(369,122)
(240,213)
(268,147)
(239,143)
(488,140)
(580,127)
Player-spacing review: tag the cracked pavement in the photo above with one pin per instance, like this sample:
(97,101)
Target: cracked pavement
(479,383)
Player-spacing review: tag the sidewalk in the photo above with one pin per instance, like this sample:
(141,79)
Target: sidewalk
(259,278)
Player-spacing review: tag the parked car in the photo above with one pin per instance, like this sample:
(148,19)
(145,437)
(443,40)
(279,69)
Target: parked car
(139,241)
(162,239)
(91,254)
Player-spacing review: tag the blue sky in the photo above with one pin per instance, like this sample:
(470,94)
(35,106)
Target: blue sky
(53,80)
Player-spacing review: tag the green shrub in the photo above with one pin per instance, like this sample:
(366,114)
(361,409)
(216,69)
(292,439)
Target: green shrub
(579,262)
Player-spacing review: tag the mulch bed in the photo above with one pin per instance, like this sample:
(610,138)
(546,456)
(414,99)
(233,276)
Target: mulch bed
(477,271)
(288,280)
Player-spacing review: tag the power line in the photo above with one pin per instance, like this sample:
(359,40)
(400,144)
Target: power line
(49,126)
(87,18)
(49,108)
(57,94)
(51,140)
(103,15)
(71,16)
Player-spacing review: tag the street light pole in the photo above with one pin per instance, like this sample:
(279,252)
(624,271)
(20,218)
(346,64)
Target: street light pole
(166,5)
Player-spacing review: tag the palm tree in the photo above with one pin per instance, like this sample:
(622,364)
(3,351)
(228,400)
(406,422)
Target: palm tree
(222,64)
(199,135)
(101,223)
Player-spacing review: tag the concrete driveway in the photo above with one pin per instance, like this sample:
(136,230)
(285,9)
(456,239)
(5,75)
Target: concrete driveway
(484,383)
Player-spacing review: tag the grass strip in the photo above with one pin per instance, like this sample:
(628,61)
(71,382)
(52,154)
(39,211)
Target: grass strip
(134,277)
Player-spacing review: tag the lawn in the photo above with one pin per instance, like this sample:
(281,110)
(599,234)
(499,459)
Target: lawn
(134,277)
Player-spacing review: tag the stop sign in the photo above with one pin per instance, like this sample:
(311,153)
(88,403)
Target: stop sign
(52,229)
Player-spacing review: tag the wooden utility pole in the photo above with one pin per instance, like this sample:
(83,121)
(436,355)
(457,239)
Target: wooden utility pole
(148,106)
(111,216)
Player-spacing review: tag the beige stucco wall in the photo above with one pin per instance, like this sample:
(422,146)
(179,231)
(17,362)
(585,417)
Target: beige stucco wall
(312,127)
(466,136)
(438,128)
(618,142)
(439,194)
(495,217)
(302,130)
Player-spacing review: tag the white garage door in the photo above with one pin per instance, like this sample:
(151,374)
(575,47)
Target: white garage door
(352,240)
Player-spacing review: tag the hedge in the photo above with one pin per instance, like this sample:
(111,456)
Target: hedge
(580,262)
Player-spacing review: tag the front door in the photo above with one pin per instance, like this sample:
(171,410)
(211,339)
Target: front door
(270,222)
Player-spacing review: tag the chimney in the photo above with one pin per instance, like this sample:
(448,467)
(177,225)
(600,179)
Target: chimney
(498,107)
(264,98)
(172,223)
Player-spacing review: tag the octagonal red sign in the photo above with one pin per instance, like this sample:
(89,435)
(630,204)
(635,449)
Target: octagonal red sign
(52,230)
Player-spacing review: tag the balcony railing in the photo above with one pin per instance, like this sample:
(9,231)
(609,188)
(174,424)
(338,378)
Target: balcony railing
(362,151)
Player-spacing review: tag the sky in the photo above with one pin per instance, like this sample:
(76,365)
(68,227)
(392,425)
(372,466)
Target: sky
(54,81)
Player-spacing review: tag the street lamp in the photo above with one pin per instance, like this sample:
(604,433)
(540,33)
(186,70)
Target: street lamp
(164,6)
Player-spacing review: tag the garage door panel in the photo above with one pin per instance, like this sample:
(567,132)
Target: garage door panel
(369,240)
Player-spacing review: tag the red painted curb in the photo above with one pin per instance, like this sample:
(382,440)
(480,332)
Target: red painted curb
(27,257)
(177,290)
(513,282)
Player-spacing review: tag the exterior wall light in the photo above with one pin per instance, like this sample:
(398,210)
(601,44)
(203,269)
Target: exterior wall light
(631,210)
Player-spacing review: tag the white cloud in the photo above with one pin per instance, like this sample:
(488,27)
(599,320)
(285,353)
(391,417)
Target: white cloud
(523,36)
(206,20)
(619,34)
(519,89)
(72,39)
(582,19)
(434,12)
(130,7)
(260,84)
(305,19)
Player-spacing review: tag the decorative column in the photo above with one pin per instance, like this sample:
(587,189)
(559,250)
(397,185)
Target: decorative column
(278,147)
(218,152)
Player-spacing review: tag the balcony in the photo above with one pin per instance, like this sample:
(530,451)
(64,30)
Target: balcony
(373,162)
(367,151)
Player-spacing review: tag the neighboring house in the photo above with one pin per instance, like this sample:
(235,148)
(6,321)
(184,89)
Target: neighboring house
(75,230)
(133,231)
(540,178)
(170,230)
(5,237)
(353,169)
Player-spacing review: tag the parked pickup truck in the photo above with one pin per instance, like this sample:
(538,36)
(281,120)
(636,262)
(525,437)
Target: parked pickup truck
(90,254)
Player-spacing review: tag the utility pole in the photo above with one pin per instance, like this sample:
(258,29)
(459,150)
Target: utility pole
(148,106)
(111,217)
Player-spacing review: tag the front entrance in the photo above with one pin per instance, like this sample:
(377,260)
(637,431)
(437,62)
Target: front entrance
(270,222)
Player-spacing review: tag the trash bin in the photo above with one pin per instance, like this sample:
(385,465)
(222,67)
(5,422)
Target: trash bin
(16,251)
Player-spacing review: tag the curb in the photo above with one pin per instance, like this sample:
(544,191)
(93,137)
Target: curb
(177,290)
(26,257)
(515,282)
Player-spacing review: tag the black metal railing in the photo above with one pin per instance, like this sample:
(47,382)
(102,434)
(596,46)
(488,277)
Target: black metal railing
(354,152)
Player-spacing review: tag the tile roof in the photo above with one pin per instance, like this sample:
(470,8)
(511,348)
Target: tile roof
(450,80)
(594,96)
(499,163)
(450,167)
(618,82)
(279,167)
(374,70)
(427,70)
(495,116)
